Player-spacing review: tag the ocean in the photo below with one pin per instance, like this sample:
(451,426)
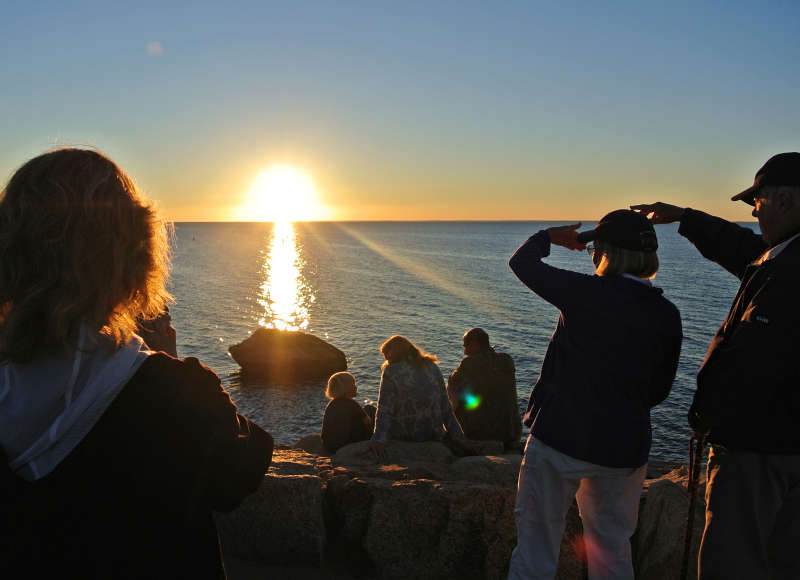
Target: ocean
(355,284)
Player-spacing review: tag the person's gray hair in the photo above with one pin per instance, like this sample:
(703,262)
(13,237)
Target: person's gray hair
(615,261)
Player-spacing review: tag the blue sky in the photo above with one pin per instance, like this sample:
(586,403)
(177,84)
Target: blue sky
(411,110)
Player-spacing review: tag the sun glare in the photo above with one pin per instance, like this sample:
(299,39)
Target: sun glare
(281,194)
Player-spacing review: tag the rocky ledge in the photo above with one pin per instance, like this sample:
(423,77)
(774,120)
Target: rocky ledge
(424,513)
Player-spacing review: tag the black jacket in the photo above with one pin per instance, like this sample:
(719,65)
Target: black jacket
(489,377)
(134,499)
(344,422)
(748,388)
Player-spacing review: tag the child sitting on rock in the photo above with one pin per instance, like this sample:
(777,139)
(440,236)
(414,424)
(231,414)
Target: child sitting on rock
(344,420)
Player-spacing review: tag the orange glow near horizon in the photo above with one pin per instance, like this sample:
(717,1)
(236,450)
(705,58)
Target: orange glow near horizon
(282,193)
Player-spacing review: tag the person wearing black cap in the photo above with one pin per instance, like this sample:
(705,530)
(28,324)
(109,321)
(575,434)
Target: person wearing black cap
(748,388)
(612,357)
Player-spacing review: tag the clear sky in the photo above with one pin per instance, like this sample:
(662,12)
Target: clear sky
(410,110)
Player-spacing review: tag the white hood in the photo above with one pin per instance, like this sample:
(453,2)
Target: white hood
(48,405)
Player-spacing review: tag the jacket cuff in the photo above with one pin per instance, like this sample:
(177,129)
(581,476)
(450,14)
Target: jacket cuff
(690,221)
(542,241)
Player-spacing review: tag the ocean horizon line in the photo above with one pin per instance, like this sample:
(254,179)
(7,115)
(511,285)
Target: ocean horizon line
(432,221)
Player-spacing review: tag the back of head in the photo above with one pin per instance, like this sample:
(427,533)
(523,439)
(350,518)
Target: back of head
(625,242)
(477,337)
(398,348)
(613,260)
(341,384)
(78,246)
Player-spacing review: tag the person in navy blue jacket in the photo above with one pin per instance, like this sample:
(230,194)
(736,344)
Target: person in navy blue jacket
(612,357)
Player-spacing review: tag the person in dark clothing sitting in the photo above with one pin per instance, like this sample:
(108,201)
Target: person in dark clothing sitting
(345,421)
(483,392)
(112,455)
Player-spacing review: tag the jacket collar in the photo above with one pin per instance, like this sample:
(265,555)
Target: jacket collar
(774,251)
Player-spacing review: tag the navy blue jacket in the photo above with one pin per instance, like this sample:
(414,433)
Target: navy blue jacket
(612,357)
(748,389)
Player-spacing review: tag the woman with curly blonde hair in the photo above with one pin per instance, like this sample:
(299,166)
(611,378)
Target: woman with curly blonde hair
(114,455)
(412,400)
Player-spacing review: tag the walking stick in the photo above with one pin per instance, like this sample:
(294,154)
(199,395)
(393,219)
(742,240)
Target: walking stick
(696,445)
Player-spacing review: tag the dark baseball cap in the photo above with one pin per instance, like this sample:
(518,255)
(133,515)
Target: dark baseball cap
(780,169)
(623,228)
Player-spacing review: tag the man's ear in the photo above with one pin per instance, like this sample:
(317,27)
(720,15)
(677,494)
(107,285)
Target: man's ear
(784,200)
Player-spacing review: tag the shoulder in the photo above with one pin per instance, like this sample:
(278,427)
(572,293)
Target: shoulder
(184,383)
(342,404)
(432,367)
(163,369)
(669,310)
(503,359)
(396,369)
(786,263)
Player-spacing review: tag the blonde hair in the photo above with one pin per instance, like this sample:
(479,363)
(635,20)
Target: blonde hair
(341,384)
(615,261)
(407,350)
(79,245)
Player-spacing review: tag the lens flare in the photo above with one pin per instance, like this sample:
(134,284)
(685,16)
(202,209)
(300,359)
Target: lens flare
(471,401)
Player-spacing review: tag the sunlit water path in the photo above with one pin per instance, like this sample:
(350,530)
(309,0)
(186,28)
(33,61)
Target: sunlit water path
(356,284)
(285,296)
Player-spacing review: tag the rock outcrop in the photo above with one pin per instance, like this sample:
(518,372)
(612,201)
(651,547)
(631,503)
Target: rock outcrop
(424,513)
(287,356)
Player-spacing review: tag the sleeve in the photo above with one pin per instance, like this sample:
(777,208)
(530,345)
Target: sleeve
(449,420)
(561,288)
(455,384)
(509,378)
(387,392)
(664,372)
(192,439)
(238,451)
(728,244)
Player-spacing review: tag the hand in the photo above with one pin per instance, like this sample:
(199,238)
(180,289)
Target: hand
(566,236)
(698,423)
(378,449)
(159,334)
(663,213)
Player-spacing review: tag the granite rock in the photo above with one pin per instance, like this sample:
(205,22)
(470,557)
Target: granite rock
(425,513)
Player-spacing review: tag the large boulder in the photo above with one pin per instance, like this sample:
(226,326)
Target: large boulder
(287,356)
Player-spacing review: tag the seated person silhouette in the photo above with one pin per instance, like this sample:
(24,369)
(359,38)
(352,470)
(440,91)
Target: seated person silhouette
(412,401)
(483,392)
(345,421)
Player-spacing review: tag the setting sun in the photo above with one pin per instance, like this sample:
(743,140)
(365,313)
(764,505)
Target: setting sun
(281,194)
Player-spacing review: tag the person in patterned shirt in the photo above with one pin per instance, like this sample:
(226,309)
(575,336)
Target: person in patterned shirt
(412,400)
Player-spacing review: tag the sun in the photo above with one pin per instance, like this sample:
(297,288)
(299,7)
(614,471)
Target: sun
(282,193)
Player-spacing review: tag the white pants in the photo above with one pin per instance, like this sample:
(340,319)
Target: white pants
(608,501)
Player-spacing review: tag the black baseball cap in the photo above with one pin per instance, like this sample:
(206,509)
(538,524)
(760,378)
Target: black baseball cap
(780,169)
(623,228)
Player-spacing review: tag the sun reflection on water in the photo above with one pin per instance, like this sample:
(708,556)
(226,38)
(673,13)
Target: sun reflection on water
(284,294)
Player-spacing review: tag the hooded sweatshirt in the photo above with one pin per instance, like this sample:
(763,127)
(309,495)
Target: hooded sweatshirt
(49,404)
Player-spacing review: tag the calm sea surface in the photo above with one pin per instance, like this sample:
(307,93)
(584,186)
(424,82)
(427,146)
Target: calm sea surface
(355,284)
